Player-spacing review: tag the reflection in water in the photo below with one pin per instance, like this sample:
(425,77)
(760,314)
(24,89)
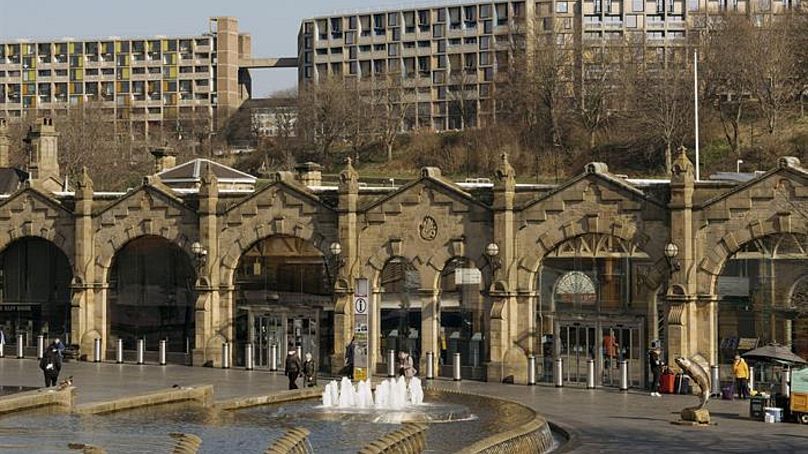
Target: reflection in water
(249,430)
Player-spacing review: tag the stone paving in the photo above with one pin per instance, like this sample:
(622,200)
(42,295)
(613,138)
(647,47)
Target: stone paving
(603,420)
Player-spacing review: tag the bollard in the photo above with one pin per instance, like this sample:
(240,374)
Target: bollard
(751,379)
(715,380)
(590,373)
(20,347)
(785,382)
(141,351)
(430,365)
(226,355)
(623,375)
(97,350)
(456,376)
(273,357)
(2,350)
(119,352)
(162,352)
(558,372)
(531,370)
(40,346)
(391,363)
(249,359)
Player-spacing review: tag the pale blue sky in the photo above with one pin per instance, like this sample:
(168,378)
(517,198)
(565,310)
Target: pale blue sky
(273,23)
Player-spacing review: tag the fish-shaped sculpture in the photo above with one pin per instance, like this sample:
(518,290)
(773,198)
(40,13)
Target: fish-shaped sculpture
(700,376)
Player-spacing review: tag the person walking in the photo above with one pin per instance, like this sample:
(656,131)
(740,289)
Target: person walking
(2,340)
(655,363)
(51,365)
(740,370)
(59,346)
(309,372)
(349,359)
(293,367)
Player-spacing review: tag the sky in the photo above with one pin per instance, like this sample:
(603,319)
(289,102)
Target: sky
(273,23)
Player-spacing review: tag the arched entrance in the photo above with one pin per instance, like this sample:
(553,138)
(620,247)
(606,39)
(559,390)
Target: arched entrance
(284,297)
(400,309)
(35,277)
(759,298)
(798,303)
(589,308)
(463,324)
(151,296)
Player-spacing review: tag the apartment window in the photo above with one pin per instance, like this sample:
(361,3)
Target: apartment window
(454,18)
(631,20)
(598,6)
(322,51)
(336,51)
(353,68)
(485,58)
(638,6)
(392,20)
(441,15)
(307,72)
(438,31)
(670,6)
(379,47)
(485,42)
(91,71)
(396,34)
(365,48)
(392,50)
(561,7)
(488,27)
(352,53)
(442,46)
(42,73)
(442,61)
(660,6)
(424,44)
(454,42)
(502,13)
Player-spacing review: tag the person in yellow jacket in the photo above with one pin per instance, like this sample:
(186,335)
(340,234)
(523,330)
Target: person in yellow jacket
(740,370)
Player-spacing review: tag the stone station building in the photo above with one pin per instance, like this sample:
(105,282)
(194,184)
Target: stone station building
(199,255)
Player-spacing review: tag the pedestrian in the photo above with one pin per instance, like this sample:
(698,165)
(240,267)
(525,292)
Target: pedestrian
(740,370)
(309,372)
(59,346)
(293,367)
(51,365)
(655,363)
(2,339)
(406,367)
(349,359)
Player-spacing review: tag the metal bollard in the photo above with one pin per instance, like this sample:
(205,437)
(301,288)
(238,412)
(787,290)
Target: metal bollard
(162,352)
(751,379)
(226,355)
(141,351)
(391,363)
(785,383)
(430,365)
(456,375)
(97,350)
(119,351)
(715,380)
(273,357)
(624,375)
(2,350)
(590,373)
(558,373)
(40,346)
(20,347)
(531,370)
(249,359)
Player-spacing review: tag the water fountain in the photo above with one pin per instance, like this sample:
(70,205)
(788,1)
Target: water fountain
(394,401)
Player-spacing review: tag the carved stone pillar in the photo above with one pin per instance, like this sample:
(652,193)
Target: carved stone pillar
(430,326)
(210,324)
(83,286)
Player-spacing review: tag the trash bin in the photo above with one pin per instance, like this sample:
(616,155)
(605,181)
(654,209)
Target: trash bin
(682,384)
(666,383)
(757,407)
(773,414)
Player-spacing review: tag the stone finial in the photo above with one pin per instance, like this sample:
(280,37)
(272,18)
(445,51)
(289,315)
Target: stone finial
(596,167)
(505,175)
(209,182)
(349,178)
(42,142)
(682,166)
(788,161)
(84,185)
(309,173)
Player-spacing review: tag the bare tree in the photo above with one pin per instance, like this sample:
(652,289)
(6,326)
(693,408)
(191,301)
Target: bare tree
(664,101)
(323,111)
(729,77)
(392,107)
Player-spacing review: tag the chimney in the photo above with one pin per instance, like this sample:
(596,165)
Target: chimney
(3,143)
(164,158)
(309,173)
(43,154)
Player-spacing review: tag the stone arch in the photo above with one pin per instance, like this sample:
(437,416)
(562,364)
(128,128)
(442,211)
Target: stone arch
(530,263)
(732,241)
(48,234)
(248,237)
(115,242)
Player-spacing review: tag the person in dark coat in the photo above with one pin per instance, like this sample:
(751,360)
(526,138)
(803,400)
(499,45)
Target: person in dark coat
(309,372)
(292,368)
(349,359)
(51,365)
(655,363)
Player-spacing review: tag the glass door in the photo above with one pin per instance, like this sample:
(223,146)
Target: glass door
(577,346)
(267,331)
(621,343)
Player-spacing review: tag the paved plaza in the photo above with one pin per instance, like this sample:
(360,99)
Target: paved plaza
(603,420)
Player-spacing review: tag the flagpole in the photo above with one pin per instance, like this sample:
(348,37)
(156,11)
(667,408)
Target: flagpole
(696,106)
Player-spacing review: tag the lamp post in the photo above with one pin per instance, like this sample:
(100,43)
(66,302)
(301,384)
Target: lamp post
(200,254)
(738,165)
(336,259)
(492,252)
(671,251)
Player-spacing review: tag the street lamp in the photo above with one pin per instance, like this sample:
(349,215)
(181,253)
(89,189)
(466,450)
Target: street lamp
(492,252)
(738,165)
(671,251)
(200,253)
(337,259)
